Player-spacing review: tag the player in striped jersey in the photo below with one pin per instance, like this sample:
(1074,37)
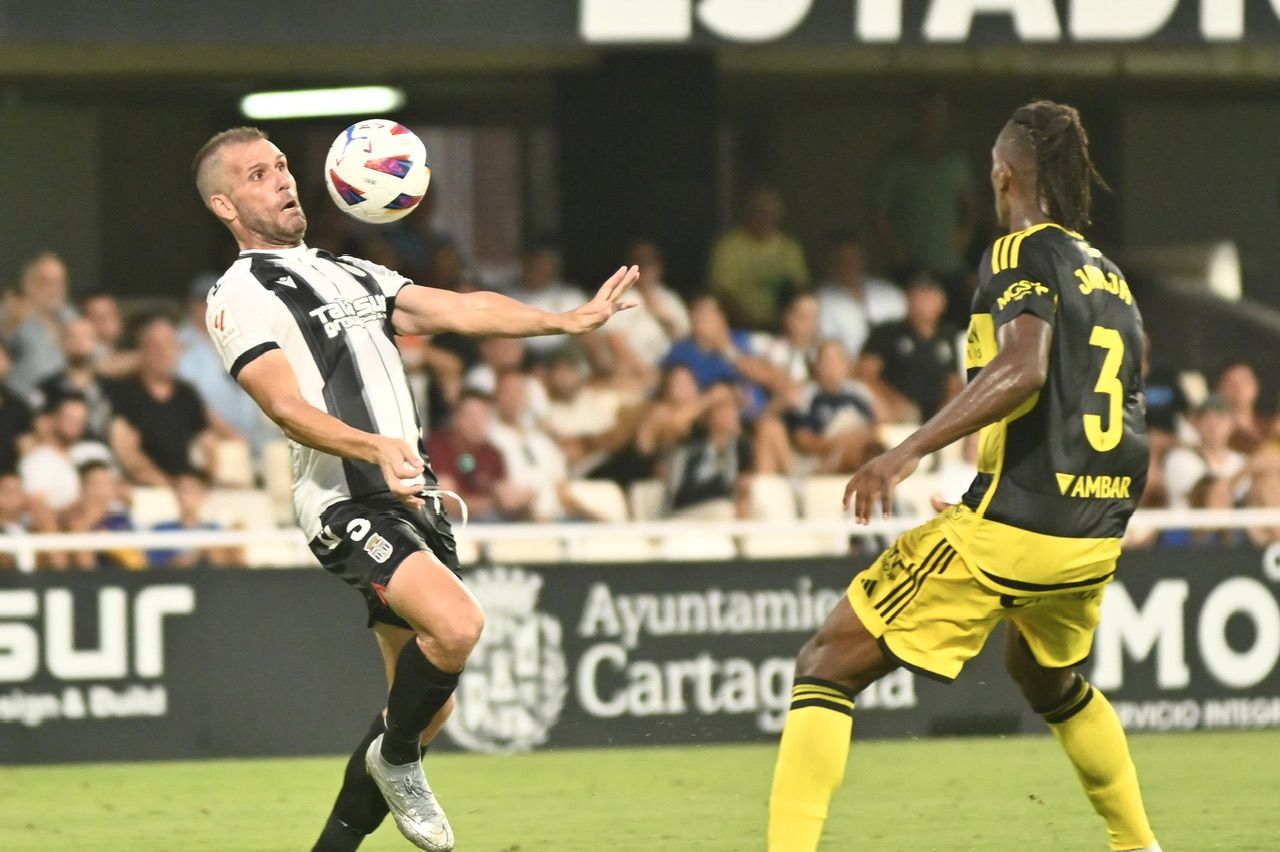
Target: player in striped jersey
(1054,351)
(311,337)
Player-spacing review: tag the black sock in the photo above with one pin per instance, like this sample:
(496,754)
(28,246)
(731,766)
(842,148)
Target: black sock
(359,808)
(419,691)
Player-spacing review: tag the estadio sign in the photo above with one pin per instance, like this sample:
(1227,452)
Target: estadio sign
(571,23)
(893,21)
(217,663)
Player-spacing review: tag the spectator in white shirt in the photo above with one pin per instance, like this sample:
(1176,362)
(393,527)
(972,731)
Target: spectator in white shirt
(500,355)
(582,418)
(535,465)
(540,286)
(50,472)
(639,339)
(850,301)
(797,349)
(1184,467)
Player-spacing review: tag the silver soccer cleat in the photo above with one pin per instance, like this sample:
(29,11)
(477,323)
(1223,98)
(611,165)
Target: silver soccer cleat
(417,813)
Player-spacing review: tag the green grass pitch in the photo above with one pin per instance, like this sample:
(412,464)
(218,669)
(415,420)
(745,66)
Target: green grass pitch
(1204,791)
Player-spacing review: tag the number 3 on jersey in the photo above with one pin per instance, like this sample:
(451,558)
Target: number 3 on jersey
(1106,439)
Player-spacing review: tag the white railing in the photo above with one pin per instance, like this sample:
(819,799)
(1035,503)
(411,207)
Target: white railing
(27,548)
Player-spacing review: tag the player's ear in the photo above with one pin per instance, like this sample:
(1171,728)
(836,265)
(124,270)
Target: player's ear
(222,207)
(1002,176)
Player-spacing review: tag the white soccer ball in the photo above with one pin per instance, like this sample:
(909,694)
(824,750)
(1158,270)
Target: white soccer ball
(377,171)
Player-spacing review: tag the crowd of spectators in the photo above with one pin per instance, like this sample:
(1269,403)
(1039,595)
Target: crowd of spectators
(776,367)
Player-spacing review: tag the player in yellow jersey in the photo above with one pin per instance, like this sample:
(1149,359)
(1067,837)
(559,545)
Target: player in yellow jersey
(1054,357)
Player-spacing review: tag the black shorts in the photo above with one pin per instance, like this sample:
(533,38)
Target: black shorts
(364,541)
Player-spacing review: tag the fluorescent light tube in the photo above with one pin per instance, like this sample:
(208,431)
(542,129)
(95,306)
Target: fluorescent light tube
(305,103)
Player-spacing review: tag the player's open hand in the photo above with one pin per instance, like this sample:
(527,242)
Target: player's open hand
(607,302)
(876,480)
(401,469)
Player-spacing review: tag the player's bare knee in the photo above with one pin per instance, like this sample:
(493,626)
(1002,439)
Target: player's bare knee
(457,635)
(1040,685)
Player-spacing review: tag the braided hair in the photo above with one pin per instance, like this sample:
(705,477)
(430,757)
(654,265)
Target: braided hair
(1065,174)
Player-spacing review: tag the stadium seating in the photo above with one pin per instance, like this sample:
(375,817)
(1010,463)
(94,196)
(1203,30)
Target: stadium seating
(277,477)
(152,505)
(820,497)
(695,546)
(607,500)
(532,550)
(648,498)
(233,462)
(773,498)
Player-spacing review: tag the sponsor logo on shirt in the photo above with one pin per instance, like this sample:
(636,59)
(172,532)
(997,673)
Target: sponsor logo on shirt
(344,314)
(223,325)
(1019,290)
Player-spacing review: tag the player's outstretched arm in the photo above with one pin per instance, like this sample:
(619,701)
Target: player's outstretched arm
(271,382)
(425,310)
(1017,372)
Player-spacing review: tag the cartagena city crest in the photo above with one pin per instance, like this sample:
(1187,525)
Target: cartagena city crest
(515,683)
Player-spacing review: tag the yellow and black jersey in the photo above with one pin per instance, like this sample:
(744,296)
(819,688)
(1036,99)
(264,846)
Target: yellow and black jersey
(1058,478)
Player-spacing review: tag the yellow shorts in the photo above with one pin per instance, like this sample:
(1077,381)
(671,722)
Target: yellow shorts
(921,601)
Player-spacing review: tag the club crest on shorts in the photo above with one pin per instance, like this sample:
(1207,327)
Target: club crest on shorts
(515,683)
(378,548)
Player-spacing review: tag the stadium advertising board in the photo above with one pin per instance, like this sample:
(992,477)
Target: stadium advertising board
(564,23)
(213,663)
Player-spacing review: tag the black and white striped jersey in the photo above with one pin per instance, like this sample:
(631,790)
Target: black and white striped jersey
(331,316)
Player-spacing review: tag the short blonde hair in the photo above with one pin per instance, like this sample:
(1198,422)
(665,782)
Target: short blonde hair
(204,166)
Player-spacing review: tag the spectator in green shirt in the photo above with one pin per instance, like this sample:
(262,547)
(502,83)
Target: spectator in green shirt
(925,208)
(755,265)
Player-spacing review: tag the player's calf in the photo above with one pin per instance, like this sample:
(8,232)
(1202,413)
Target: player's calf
(1089,731)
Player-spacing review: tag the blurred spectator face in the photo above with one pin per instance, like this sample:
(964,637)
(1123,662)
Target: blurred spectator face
(646,255)
(6,362)
(103,312)
(800,323)
(502,353)
(159,349)
(45,283)
(70,421)
(446,267)
(1215,427)
(679,387)
(848,263)
(725,418)
(100,485)
(832,368)
(471,420)
(13,500)
(931,113)
(541,268)
(926,302)
(191,493)
(565,378)
(707,322)
(79,343)
(510,396)
(763,212)
(1238,385)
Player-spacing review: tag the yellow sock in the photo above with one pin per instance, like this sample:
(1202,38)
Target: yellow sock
(1089,731)
(811,761)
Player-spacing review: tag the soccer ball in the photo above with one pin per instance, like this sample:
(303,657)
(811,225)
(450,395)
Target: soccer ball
(377,171)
